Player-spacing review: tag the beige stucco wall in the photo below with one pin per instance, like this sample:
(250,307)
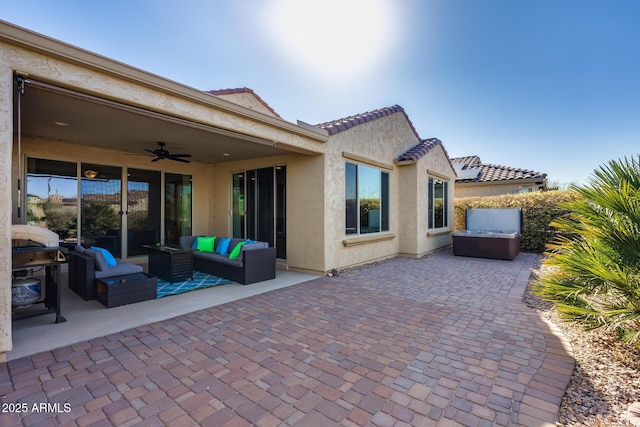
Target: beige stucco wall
(247,100)
(435,163)
(492,189)
(415,237)
(380,141)
(6,143)
(408,235)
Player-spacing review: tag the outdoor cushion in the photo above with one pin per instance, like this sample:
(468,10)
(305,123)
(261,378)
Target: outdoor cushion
(110,259)
(188,242)
(205,244)
(234,242)
(223,246)
(120,269)
(100,261)
(214,257)
(235,252)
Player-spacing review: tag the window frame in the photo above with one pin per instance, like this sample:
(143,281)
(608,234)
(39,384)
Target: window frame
(432,213)
(353,207)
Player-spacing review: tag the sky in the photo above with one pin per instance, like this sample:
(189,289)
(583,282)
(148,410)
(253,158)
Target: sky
(547,85)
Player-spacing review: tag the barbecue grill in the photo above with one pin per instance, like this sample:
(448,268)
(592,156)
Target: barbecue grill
(35,249)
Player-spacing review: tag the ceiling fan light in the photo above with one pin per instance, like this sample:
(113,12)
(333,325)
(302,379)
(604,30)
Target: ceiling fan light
(90,173)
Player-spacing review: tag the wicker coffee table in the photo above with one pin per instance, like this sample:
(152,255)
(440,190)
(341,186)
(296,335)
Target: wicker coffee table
(170,263)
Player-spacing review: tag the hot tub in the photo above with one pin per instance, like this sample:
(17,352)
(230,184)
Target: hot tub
(482,237)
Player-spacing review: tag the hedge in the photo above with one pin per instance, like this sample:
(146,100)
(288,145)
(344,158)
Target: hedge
(538,210)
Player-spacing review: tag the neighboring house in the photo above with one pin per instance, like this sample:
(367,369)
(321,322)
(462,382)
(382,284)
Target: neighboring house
(335,195)
(479,179)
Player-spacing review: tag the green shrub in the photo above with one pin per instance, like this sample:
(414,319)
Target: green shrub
(538,210)
(595,274)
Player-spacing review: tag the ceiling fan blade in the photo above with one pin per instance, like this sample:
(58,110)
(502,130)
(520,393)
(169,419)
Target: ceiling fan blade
(150,151)
(180,155)
(156,159)
(178,159)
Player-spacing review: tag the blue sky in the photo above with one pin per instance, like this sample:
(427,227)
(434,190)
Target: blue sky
(548,85)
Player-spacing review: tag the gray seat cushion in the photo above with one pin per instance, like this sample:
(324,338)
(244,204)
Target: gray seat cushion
(214,257)
(120,269)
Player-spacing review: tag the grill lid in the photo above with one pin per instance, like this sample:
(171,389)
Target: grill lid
(30,235)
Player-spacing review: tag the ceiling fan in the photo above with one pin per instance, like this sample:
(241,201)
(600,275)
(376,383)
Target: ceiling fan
(161,154)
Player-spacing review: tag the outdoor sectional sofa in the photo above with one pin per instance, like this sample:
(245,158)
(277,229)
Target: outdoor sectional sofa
(256,261)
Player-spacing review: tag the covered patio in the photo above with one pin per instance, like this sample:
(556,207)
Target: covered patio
(80,130)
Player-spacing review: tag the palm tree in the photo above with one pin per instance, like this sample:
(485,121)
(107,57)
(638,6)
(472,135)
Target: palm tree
(595,260)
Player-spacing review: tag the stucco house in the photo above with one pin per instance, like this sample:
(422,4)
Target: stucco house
(78,132)
(480,179)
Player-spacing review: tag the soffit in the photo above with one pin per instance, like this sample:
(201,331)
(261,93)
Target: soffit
(131,130)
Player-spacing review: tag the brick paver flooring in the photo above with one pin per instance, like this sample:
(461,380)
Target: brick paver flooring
(439,341)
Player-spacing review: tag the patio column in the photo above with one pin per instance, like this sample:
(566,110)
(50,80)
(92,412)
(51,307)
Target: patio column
(6,201)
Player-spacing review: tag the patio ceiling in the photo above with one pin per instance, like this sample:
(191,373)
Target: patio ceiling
(58,115)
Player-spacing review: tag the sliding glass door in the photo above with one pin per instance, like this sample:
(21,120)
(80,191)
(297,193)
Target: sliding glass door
(177,207)
(118,209)
(101,207)
(259,206)
(144,207)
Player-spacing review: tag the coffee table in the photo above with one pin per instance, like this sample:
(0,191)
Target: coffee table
(170,263)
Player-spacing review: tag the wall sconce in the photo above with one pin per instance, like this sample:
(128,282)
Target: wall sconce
(90,173)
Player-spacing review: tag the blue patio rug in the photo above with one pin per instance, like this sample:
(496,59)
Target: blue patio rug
(200,280)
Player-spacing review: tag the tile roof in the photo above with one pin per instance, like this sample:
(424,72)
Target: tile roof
(420,149)
(244,90)
(345,123)
(489,172)
(468,160)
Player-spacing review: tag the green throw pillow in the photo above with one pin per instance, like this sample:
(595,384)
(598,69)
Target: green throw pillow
(205,244)
(235,253)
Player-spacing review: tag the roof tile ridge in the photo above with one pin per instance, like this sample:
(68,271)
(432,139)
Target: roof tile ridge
(344,123)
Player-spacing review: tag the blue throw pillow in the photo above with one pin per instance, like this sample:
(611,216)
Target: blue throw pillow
(111,261)
(223,246)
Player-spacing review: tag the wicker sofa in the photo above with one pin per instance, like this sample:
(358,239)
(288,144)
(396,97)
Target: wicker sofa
(256,261)
(86,266)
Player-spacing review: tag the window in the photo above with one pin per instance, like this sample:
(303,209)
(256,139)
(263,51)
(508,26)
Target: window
(438,202)
(366,199)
